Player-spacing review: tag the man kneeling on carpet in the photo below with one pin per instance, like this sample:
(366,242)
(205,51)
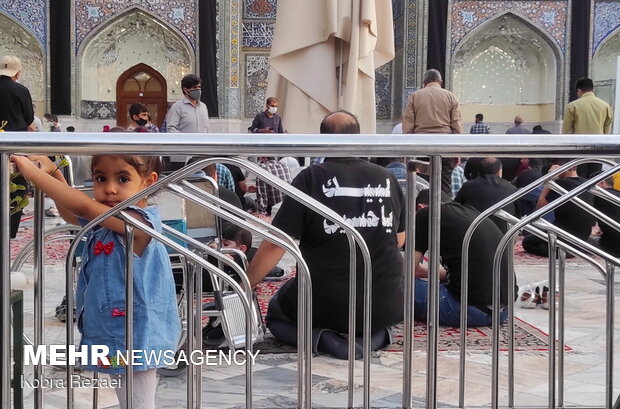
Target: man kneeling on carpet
(455,220)
(366,195)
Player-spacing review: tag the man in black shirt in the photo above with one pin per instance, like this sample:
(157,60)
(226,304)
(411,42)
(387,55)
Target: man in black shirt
(568,217)
(610,237)
(527,204)
(455,220)
(369,198)
(16,103)
(267,121)
(487,189)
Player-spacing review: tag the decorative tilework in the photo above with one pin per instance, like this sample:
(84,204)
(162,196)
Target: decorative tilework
(547,15)
(398,8)
(256,70)
(606,21)
(234,102)
(383,88)
(234,44)
(399,33)
(92,14)
(412,44)
(98,109)
(258,35)
(31,14)
(264,9)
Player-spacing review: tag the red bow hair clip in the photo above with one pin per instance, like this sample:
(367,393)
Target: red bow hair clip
(105,248)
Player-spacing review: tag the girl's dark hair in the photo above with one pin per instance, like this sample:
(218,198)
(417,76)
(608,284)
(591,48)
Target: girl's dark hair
(144,165)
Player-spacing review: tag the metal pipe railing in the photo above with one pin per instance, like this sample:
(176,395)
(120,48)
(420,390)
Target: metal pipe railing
(5,299)
(497,266)
(339,145)
(39,286)
(409,290)
(353,235)
(465,251)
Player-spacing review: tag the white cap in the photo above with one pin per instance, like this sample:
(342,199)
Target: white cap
(10,65)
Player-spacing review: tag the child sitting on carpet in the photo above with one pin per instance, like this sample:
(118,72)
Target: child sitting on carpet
(237,238)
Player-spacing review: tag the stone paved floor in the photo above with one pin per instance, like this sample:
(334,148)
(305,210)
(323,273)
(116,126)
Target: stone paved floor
(275,375)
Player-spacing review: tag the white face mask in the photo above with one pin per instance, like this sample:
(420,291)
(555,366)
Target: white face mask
(273,110)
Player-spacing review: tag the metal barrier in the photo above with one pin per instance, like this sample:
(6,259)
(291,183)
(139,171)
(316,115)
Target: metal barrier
(303,145)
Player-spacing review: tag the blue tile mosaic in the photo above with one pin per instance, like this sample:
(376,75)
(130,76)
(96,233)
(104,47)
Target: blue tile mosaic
(31,14)
(258,34)
(606,21)
(92,14)
(261,9)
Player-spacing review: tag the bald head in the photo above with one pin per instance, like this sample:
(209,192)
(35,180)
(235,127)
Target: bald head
(340,122)
(518,120)
(490,166)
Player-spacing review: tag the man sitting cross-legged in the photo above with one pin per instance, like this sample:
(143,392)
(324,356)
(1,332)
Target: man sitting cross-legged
(369,198)
(455,220)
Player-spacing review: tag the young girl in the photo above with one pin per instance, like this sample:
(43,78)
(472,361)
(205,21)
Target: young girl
(100,294)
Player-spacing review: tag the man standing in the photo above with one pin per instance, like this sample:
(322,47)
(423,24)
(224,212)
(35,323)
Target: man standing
(518,128)
(368,197)
(479,127)
(433,109)
(587,115)
(16,112)
(267,121)
(187,115)
(16,103)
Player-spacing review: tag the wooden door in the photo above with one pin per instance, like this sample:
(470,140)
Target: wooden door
(141,84)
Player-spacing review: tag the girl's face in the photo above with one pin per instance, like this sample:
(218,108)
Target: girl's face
(115,180)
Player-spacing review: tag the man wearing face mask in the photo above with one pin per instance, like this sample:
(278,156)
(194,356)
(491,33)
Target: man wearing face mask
(267,121)
(189,114)
(16,104)
(139,115)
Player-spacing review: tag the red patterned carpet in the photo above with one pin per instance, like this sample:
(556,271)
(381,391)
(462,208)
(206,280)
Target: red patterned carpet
(526,338)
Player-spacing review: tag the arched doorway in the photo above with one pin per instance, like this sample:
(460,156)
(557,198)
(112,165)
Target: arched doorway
(141,84)
(507,66)
(125,41)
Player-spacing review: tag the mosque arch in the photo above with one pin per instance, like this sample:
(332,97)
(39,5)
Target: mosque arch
(19,41)
(604,67)
(132,38)
(507,66)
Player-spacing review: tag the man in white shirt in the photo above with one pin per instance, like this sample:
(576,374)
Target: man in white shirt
(187,115)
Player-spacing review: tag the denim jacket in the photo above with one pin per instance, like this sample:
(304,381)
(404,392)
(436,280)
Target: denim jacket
(100,296)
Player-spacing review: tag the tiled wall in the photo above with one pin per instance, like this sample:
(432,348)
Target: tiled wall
(606,18)
(91,15)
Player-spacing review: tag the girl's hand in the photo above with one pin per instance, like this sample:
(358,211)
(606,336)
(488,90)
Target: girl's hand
(46,165)
(26,167)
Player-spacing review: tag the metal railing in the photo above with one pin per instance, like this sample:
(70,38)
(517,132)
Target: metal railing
(435,146)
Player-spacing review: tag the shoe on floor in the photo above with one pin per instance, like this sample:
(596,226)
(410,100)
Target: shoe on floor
(52,212)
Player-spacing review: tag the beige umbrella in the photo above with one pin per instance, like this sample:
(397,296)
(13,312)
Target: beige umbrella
(315,43)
